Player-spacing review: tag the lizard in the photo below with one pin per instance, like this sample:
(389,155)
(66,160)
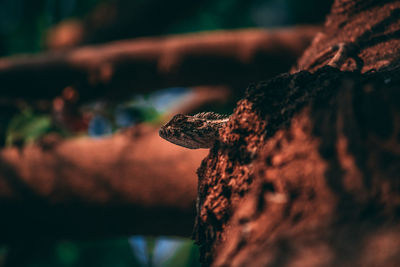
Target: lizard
(198,131)
(202,129)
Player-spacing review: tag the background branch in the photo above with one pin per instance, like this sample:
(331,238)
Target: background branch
(131,183)
(120,68)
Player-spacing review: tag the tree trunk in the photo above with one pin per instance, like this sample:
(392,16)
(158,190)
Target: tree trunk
(307,171)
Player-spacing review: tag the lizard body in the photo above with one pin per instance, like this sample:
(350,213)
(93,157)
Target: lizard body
(197,131)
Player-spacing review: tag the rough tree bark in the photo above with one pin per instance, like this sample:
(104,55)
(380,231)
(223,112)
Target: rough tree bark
(307,171)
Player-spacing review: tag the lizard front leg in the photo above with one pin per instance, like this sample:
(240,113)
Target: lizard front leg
(342,51)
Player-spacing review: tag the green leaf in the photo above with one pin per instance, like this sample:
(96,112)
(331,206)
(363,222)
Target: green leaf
(27,127)
(186,255)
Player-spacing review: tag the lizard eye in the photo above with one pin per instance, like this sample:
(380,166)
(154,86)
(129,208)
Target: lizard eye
(179,118)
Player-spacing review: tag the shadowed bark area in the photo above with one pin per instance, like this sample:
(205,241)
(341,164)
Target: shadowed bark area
(306,171)
(118,69)
(80,188)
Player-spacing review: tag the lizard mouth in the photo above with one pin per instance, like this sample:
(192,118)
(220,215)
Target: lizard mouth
(169,135)
(162,132)
(166,133)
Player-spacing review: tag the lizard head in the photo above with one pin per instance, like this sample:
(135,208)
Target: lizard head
(190,131)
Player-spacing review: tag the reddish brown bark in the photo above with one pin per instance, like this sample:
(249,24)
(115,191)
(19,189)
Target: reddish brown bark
(306,172)
(118,69)
(131,183)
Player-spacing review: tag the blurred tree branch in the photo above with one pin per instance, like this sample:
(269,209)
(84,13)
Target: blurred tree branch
(131,183)
(120,68)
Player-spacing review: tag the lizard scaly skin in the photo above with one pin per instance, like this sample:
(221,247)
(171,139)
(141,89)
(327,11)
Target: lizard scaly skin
(198,131)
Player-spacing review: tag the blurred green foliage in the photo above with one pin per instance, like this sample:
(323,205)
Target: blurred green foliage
(213,15)
(99,253)
(114,252)
(186,255)
(27,127)
(24,23)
